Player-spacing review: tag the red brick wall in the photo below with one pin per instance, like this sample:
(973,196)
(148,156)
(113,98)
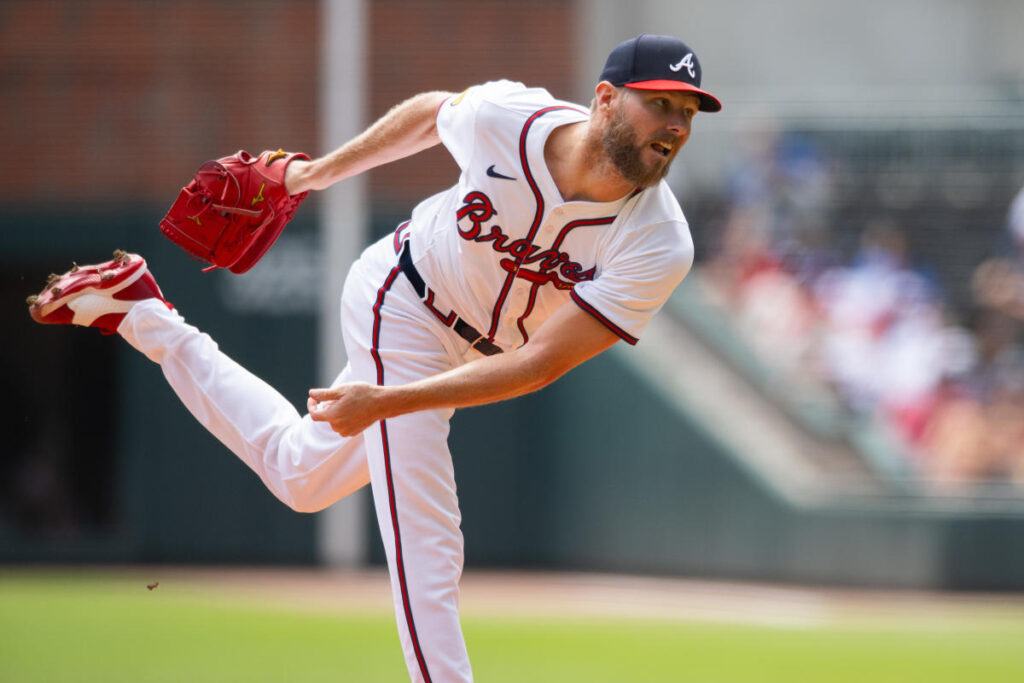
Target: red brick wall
(450,45)
(118,101)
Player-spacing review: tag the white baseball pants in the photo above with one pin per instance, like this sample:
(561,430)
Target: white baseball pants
(390,338)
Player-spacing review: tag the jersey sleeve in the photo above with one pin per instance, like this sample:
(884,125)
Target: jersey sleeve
(458,117)
(635,283)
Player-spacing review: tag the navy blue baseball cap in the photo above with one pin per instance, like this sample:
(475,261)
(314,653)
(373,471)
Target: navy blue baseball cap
(650,62)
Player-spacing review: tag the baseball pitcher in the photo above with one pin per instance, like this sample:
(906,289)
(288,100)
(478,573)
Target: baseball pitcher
(558,239)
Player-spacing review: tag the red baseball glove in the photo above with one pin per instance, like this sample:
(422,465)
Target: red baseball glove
(234,209)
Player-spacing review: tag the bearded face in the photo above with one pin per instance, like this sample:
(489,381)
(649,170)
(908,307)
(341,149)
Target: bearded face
(627,152)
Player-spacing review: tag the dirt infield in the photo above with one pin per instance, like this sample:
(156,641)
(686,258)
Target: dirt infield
(580,596)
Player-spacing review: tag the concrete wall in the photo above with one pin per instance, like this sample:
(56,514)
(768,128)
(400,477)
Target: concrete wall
(751,50)
(910,63)
(609,478)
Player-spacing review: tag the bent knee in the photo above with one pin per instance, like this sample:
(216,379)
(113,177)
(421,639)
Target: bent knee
(306,507)
(303,503)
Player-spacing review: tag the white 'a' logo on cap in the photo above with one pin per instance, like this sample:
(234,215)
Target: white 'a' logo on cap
(686,61)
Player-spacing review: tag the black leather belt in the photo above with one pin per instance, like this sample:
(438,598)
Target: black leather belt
(461,327)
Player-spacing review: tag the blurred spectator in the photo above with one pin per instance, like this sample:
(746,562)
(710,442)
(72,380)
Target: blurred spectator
(862,305)
(973,438)
(783,183)
(874,328)
(778,196)
(966,436)
(1015,221)
(978,434)
(998,283)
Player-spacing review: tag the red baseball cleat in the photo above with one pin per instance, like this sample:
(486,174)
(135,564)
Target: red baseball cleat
(95,296)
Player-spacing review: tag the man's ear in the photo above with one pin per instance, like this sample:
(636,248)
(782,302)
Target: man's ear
(605,95)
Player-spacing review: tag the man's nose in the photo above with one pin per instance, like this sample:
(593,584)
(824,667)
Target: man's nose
(679,124)
(679,127)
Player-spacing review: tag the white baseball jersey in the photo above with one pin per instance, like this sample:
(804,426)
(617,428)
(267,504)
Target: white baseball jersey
(504,251)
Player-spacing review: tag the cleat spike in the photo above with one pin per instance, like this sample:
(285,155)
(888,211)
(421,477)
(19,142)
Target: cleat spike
(51,278)
(95,295)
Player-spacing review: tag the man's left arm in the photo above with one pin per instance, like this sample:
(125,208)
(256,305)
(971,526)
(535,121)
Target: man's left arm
(565,340)
(408,128)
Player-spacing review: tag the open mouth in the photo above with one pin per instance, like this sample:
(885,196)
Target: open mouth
(661,148)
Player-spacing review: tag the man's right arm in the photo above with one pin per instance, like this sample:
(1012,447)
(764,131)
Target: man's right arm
(566,339)
(408,128)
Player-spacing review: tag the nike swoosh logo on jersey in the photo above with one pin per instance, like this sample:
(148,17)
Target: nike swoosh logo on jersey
(494,174)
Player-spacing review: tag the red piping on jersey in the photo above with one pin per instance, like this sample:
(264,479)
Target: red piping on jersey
(622,334)
(537,216)
(399,237)
(447,318)
(555,246)
(521,323)
(399,558)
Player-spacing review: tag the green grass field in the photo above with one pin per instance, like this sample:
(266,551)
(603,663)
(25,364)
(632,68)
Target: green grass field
(92,626)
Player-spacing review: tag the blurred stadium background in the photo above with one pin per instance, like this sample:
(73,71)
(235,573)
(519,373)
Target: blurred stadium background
(835,396)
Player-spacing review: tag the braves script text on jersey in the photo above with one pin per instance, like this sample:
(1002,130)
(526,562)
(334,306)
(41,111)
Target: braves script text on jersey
(519,251)
(497,253)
